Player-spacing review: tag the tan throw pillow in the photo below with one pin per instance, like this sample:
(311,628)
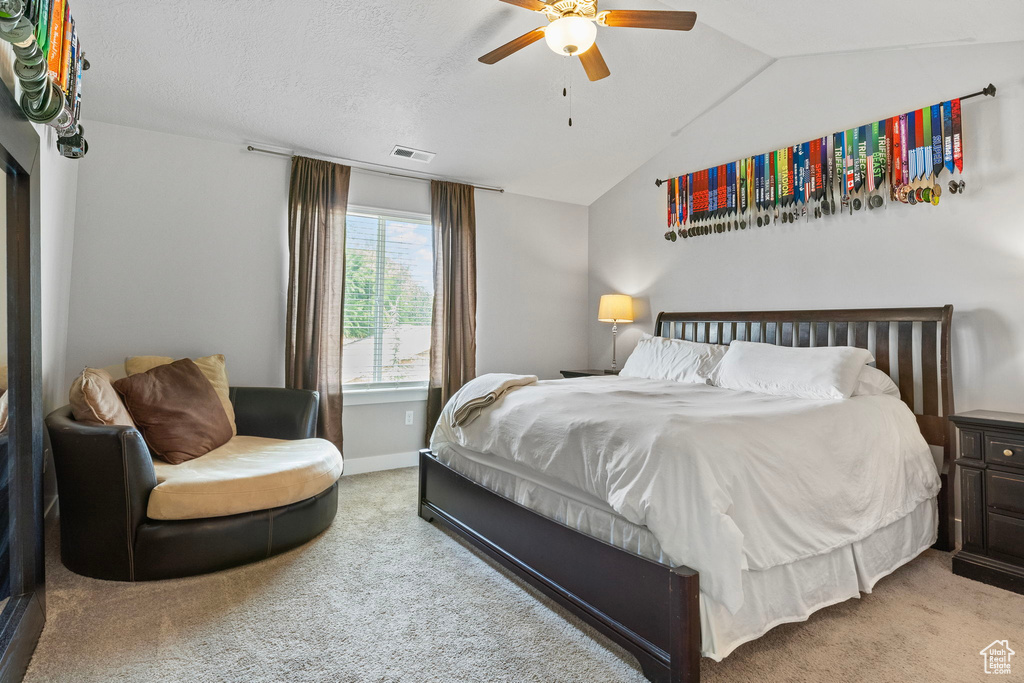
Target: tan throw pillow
(212,367)
(177,411)
(94,400)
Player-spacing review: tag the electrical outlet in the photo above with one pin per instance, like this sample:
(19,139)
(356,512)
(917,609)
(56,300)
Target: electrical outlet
(408,417)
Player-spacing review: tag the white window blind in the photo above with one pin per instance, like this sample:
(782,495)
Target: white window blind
(389,290)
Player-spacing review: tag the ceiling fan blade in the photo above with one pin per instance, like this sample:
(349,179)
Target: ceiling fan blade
(535,5)
(594,65)
(513,46)
(676,21)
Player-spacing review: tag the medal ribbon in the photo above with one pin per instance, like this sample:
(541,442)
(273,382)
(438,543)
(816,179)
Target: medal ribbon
(822,166)
(681,199)
(815,168)
(744,183)
(689,197)
(730,198)
(751,171)
(712,189)
(926,142)
(904,151)
(936,139)
(670,212)
(872,150)
(774,177)
(947,134)
(791,173)
(857,140)
(919,129)
(848,160)
(723,188)
(911,143)
(958,150)
(806,158)
(798,174)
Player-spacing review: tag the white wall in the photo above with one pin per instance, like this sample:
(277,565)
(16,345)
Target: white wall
(58,180)
(968,251)
(181,251)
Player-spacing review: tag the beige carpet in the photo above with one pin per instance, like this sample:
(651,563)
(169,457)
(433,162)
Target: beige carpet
(384,596)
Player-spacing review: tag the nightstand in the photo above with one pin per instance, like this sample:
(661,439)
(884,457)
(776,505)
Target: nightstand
(591,372)
(991,469)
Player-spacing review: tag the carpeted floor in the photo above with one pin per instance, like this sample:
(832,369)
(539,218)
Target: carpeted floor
(384,596)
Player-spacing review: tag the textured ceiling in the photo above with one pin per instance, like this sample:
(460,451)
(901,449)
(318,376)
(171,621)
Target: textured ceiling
(353,79)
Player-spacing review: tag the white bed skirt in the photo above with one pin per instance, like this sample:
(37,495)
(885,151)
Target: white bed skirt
(782,594)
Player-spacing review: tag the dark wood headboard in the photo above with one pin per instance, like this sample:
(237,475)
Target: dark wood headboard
(911,344)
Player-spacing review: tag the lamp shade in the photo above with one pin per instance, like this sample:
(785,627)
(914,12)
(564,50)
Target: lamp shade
(570,35)
(615,308)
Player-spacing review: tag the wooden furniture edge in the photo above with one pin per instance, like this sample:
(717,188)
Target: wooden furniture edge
(677,588)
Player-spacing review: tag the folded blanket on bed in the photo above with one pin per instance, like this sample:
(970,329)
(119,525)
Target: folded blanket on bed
(477,394)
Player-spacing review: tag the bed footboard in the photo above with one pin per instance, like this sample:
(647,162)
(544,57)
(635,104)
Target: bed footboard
(650,609)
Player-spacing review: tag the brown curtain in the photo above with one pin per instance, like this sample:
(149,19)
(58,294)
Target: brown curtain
(453,331)
(317,203)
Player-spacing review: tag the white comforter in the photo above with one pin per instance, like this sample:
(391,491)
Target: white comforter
(725,480)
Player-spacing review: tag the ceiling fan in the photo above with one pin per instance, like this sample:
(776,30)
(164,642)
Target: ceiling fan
(573,29)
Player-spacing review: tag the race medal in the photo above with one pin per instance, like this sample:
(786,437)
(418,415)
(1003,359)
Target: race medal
(958,152)
(935,199)
(947,135)
(936,139)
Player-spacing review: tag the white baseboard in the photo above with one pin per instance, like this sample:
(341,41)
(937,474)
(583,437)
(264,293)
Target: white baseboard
(375,463)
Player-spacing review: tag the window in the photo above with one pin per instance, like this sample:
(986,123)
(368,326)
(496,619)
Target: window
(389,292)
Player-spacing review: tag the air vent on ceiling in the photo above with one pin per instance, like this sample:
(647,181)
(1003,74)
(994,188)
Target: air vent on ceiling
(414,154)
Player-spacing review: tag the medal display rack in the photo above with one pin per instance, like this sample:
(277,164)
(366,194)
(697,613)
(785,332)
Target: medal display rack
(42,99)
(905,154)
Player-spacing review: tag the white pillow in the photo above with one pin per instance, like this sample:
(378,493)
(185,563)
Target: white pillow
(825,372)
(673,359)
(874,382)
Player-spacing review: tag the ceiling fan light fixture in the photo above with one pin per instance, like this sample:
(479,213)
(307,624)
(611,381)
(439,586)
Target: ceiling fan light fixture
(570,35)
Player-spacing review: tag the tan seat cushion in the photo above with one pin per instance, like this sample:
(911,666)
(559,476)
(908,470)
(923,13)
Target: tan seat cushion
(213,368)
(246,474)
(94,401)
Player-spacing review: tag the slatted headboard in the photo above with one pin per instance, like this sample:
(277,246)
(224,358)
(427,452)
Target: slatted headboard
(911,344)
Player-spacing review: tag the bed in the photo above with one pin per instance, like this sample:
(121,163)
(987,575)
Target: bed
(620,570)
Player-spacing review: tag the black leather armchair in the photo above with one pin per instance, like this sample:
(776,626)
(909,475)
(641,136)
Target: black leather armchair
(105,475)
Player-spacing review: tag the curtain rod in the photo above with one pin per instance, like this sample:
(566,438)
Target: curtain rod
(989,90)
(356,166)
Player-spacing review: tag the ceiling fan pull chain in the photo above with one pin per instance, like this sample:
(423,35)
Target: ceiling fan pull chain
(567,60)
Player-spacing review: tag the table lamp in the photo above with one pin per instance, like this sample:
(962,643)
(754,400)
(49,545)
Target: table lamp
(615,309)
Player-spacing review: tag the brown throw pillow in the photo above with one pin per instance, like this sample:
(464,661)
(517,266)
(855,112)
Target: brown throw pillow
(212,366)
(177,410)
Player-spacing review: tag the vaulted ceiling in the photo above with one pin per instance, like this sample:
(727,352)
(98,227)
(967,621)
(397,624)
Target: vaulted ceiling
(353,79)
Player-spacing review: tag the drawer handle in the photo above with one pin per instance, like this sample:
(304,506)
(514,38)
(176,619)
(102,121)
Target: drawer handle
(1007,452)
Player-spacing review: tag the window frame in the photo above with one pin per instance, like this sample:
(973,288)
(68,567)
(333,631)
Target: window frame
(385,392)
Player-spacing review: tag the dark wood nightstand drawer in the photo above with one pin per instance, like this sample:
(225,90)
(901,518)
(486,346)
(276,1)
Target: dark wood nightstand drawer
(1006,535)
(970,444)
(1005,491)
(1004,449)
